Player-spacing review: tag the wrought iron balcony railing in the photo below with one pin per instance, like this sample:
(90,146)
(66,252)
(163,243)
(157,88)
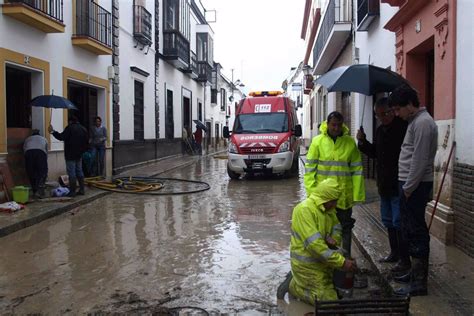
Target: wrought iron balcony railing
(193,66)
(175,45)
(142,25)
(337,12)
(204,71)
(52,8)
(93,21)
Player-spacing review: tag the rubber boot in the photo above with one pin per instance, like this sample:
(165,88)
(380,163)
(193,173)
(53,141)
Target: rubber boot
(284,287)
(81,186)
(393,241)
(403,278)
(419,279)
(404,264)
(72,188)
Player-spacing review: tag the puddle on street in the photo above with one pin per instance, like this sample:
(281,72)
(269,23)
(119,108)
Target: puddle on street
(224,250)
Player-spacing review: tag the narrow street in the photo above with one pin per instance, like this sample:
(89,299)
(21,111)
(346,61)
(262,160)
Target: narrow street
(224,250)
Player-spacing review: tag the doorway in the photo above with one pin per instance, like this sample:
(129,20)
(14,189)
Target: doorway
(420,70)
(85,99)
(187,113)
(430,70)
(169,120)
(19,119)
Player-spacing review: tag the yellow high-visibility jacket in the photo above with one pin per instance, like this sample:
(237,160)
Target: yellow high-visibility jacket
(312,261)
(338,160)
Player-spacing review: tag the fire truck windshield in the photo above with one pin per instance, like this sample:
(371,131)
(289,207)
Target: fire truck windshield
(261,123)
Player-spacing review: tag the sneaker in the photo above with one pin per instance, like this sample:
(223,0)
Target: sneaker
(284,287)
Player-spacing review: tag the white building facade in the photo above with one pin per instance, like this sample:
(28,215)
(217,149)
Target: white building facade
(54,47)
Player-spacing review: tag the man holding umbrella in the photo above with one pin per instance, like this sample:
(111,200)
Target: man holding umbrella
(76,141)
(386,149)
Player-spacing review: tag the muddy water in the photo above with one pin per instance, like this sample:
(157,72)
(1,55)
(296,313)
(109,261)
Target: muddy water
(224,250)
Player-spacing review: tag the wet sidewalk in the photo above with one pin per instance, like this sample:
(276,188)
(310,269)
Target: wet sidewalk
(451,272)
(40,210)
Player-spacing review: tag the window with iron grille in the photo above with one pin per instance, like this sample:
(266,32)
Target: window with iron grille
(214,96)
(177,17)
(169,120)
(205,47)
(223,99)
(138,117)
(200,111)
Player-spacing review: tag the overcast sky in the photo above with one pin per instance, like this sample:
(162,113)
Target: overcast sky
(260,39)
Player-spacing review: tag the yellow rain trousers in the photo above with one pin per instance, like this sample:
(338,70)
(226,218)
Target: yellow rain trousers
(338,160)
(312,261)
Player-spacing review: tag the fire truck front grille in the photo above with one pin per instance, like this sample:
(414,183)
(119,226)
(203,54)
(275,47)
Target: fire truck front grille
(257,150)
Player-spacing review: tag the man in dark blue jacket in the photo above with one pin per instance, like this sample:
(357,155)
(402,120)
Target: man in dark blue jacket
(386,150)
(76,140)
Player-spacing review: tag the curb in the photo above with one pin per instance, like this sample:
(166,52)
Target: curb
(384,281)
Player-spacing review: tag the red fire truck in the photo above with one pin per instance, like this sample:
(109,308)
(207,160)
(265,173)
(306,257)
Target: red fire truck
(265,137)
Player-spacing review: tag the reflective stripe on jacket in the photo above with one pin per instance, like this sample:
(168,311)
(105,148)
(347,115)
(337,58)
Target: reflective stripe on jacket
(340,160)
(312,261)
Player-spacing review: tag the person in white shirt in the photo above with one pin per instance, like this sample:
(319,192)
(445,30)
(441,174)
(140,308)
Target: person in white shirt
(35,149)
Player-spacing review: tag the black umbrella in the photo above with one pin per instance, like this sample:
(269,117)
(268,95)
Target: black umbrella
(53,102)
(361,78)
(200,125)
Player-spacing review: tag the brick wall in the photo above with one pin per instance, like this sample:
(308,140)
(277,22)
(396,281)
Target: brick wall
(463,207)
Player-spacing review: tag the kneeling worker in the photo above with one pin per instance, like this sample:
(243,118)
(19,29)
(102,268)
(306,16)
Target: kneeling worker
(316,235)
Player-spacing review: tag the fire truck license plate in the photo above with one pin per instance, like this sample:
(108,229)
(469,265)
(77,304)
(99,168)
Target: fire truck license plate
(257,157)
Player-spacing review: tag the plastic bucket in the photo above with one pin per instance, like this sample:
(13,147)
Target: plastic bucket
(21,194)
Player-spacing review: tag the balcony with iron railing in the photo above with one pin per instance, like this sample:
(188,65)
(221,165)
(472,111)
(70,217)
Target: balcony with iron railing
(176,49)
(333,33)
(367,11)
(45,15)
(204,72)
(193,67)
(142,25)
(93,28)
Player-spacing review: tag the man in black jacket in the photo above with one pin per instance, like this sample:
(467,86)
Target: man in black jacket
(386,149)
(76,140)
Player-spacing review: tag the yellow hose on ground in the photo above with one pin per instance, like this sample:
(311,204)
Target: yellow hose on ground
(118,185)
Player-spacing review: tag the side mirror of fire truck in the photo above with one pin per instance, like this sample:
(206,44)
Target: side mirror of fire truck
(225,132)
(298,131)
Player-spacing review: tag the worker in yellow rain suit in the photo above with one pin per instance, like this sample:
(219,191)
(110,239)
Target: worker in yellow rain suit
(333,154)
(316,234)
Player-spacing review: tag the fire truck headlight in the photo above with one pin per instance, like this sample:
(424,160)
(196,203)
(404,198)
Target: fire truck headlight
(285,146)
(232,148)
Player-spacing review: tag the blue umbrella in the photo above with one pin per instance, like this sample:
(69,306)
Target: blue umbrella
(53,102)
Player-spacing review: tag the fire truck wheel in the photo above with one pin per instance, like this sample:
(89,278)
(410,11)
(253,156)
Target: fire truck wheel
(233,175)
(294,170)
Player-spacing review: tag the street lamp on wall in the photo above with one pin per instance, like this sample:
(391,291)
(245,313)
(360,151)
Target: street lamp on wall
(308,79)
(234,85)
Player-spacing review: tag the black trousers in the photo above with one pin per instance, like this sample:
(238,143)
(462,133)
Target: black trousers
(412,217)
(347,223)
(36,162)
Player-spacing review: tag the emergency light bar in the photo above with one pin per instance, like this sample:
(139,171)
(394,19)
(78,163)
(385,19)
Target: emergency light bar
(265,93)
